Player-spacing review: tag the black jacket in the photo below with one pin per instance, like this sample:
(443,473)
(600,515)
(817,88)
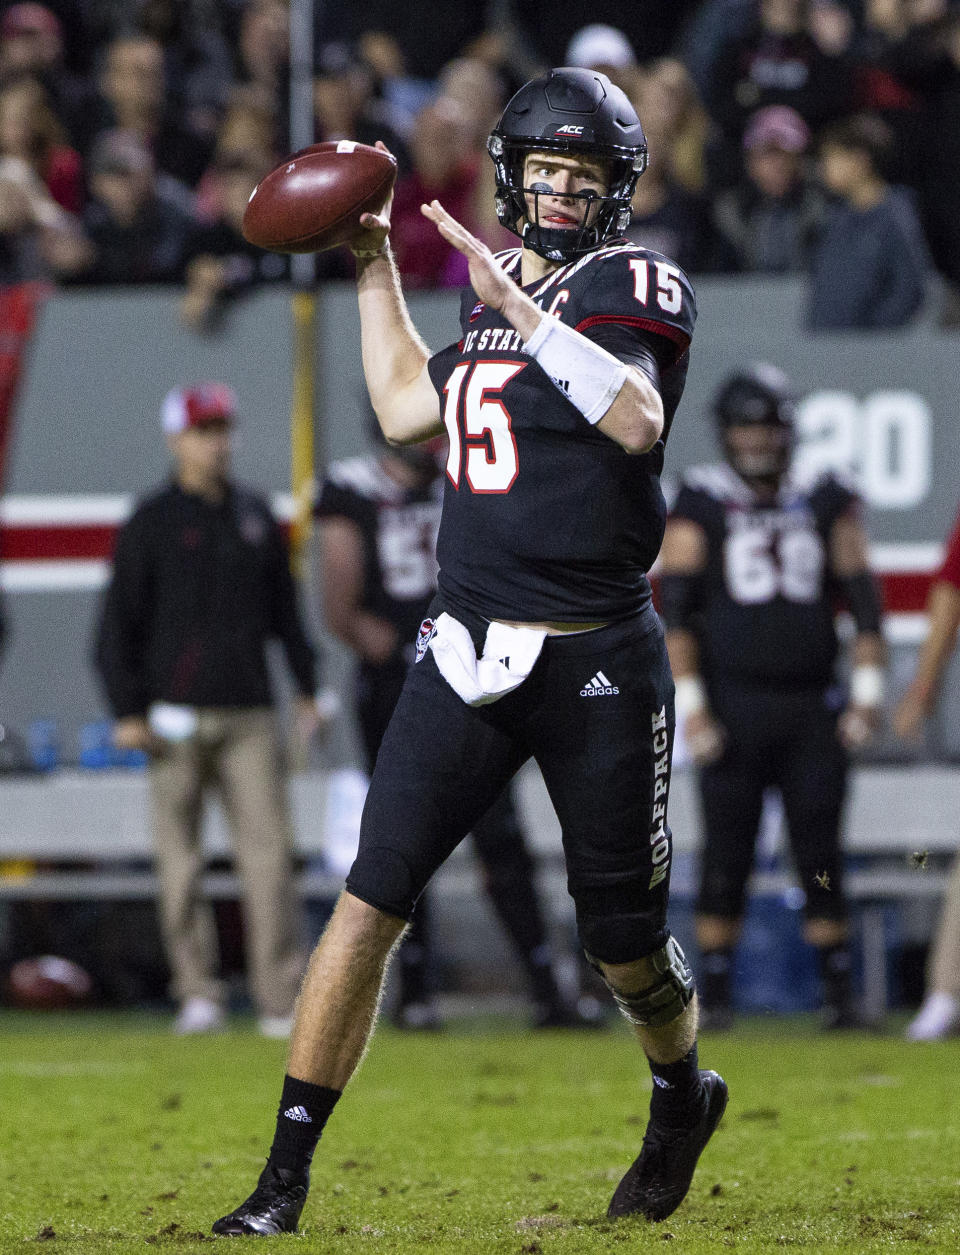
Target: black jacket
(197,590)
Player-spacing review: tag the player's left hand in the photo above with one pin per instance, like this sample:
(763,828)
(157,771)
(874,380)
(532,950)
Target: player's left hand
(487,279)
(858,725)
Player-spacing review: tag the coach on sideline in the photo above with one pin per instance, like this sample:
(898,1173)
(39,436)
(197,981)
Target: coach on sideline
(201,580)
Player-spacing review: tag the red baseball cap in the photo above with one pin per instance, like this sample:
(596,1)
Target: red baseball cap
(197,405)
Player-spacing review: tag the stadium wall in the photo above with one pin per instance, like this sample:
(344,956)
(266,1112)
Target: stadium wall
(86,442)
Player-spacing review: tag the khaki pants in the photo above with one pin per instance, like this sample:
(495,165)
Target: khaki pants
(237,753)
(943,966)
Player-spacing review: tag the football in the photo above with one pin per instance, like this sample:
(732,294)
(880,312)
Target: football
(47,983)
(313,199)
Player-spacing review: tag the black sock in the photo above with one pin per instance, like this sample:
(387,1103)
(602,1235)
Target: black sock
(714,978)
(836,976)
(304,1110)
(676,1097)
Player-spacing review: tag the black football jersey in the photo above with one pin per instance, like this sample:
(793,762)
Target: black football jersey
(765,609)
(544,517)
(399,530)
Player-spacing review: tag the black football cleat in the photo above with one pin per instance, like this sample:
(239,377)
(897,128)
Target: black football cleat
(657,1181)
(273,1207)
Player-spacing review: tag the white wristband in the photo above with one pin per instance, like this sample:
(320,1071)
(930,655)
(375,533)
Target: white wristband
(586,374)
(691,696)
(867,685)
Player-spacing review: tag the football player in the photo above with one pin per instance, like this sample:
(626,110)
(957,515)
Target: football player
(939,1016)
(556,396)
(378,520)
(752,564)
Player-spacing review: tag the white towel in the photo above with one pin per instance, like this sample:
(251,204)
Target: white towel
(508,657)
(171,722)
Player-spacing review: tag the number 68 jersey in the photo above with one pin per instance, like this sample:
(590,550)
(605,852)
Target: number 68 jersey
(544,517)
(765,598)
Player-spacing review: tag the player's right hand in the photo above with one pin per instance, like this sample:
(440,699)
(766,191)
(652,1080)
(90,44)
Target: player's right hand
(376,227)
(133,733)
(703,737)
(910,714)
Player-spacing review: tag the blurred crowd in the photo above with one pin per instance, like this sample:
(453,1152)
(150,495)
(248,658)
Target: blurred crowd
(810,137)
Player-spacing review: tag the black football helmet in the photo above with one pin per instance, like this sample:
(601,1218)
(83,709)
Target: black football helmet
(569,111)
(760,395)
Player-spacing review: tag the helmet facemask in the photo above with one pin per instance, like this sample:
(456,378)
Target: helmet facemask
(762,462)
(554,243)
(759,399)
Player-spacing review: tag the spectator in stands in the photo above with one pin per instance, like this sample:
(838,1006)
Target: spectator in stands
(869,263)
(778,61)
(671,220)
(878,87)
(32,43)
(478,87)
(349,104)
(262,52)
(939,1016)
(670,216)
(133,97)
(445,167)
(750,566)
(199,64)
(39,239)
(668,97)
(249,130)
(201,581)
(772,215)
(222,263)
(30,131)
(138,234)
(651,27)
(927,61)
(713,25)
(607,49)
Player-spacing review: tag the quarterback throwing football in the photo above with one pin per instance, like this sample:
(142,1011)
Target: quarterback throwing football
(557,399)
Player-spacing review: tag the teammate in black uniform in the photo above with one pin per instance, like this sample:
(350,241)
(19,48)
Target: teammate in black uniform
(556,399)
(379,517)
(753,565)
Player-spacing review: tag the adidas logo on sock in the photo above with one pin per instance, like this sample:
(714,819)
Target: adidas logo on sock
(599,686)
(299,1113)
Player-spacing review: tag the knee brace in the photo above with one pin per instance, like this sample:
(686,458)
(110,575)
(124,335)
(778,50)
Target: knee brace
(663,1001)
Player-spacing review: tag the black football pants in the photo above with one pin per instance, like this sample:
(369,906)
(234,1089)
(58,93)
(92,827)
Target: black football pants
(596,713)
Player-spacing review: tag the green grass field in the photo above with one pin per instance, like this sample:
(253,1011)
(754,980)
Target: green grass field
(118,1137)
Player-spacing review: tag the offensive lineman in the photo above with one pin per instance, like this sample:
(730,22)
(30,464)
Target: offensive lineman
(752,563)
(557,400)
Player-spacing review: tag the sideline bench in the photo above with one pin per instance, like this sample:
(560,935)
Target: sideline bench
(95,827)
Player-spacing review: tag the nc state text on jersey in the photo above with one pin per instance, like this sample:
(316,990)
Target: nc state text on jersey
(490,339)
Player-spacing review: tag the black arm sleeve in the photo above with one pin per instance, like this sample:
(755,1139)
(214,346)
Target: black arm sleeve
(862,596)
(632,346)
(655,355)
